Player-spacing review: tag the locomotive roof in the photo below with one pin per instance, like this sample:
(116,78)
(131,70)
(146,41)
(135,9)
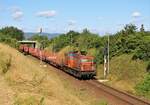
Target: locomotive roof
(85,56)
(27,42)
(80,55)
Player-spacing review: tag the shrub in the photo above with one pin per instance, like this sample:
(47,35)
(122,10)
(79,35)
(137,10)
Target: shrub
(143,88)
(10,41)
(143,52)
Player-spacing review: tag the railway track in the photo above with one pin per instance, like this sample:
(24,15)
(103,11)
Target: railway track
(127,98)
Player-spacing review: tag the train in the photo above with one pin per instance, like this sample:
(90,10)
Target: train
(74,63)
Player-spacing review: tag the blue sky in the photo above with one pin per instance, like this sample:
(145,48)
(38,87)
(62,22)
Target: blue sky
(99,16)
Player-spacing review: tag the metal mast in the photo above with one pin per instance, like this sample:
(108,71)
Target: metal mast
(108,56)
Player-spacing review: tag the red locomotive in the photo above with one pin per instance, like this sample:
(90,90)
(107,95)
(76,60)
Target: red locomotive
(74,63)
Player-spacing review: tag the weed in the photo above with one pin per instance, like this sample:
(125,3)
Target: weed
(41,101)
(101,102)
(26,101)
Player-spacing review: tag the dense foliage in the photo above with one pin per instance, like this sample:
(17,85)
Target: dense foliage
(143,51)
(143,88)
(64,40)
(12,32)
(10,35)
(43,40)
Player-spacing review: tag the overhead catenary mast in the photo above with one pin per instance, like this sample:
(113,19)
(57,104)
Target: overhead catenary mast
(69,28)
(106,58)
(105,64)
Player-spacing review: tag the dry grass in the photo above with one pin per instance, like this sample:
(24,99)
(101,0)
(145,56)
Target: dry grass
(26,83)
(92,52)
(124,72)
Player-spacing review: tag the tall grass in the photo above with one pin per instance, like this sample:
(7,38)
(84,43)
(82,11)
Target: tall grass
(5,62)
(125,73)
(35,85)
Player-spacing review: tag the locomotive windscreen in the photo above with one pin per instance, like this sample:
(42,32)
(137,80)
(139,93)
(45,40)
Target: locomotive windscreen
(86,60)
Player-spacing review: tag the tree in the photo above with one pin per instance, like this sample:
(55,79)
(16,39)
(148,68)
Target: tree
(41,39)
(129,29)
(143,52)
(86,31)
(71,35)
(12,32)
(38,37)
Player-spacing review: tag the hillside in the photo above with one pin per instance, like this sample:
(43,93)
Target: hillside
(125,73)
(24,82)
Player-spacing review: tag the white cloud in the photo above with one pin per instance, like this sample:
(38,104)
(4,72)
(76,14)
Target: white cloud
(136,14)
(16,13)
(46,14)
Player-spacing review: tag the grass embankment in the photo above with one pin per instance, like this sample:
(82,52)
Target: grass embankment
(125,73)
(24,82)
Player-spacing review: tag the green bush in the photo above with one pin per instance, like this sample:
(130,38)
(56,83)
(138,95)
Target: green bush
(43,40)
(143,88)
(99,58)
(10,41)
(12,32)
(143,51)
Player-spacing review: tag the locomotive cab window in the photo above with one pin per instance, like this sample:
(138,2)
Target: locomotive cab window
(86,60)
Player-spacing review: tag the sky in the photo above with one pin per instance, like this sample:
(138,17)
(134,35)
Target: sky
(59,16)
